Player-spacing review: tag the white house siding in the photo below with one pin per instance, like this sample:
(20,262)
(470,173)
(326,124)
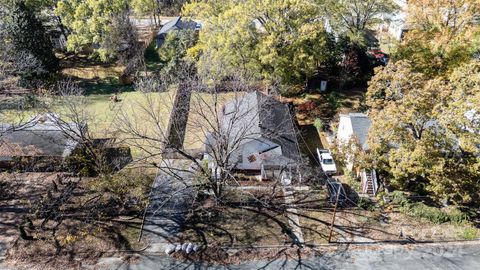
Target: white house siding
(353,125)
(240,157)
(396,22)
(345,132)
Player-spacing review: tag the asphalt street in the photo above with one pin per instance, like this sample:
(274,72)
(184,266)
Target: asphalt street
(445,256)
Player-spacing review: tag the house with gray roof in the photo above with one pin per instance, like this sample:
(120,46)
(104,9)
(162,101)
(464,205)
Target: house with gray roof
(46,143)
(353,132)
(178,23)
(354,125)
(42,141)
(260,134)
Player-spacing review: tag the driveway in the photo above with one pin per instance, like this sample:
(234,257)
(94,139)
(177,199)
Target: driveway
(168,203)
(446,256)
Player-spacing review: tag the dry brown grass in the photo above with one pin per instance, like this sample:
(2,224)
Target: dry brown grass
(357,225)
(94,72)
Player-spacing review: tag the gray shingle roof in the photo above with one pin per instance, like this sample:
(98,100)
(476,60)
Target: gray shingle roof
(41,137)
(265,118)
(360,125)
(52,143)
(177,23)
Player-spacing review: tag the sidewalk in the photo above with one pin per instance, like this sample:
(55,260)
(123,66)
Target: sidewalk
(292,214)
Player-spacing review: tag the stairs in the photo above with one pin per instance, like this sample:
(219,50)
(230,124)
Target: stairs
(369,182)
(370,190)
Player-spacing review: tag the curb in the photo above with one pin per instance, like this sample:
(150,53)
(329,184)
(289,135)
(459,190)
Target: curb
(369,244)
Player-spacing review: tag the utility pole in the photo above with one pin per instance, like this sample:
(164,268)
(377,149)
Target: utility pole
(334,213)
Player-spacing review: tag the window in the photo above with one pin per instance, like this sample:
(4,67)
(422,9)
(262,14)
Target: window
(327,161)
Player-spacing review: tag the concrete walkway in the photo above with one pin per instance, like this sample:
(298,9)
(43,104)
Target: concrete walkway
(292,214)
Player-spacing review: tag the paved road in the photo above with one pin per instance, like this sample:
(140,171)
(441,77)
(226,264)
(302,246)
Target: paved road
(458,256)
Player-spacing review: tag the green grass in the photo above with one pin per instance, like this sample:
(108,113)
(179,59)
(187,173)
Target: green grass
(469,233)
(145,111)
(103,116)
(148,112)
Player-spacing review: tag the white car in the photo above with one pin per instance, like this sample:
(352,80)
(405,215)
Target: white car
(326,161)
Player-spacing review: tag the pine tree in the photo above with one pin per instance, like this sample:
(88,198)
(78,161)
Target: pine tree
(28,37)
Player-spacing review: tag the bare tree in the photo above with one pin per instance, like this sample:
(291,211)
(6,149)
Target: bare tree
(13,63)
(200,117)
(200,153)
(73,206)
(73,120)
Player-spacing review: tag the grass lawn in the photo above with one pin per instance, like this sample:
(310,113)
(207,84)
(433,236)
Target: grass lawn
(201,106)
(104,116)
(147,112)
(99,82)
(94,78)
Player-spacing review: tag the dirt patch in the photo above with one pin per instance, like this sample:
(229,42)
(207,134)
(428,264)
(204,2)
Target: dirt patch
(52,221)
(326,106)
(16,192)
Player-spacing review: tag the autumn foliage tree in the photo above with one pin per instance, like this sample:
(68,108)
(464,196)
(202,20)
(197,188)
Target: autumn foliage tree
(90,23)
(442,35)
(272,40)
(425,133)
(354,19)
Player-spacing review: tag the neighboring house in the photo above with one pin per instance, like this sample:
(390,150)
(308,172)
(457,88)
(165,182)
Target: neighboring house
(40,145)
(47,144)
(355,126)
(178,23)
(261,135)
(395,24)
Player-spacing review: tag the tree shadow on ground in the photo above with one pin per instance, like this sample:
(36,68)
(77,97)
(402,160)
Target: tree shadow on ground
(106,86)
(62,222)
(309,141)
(152,59)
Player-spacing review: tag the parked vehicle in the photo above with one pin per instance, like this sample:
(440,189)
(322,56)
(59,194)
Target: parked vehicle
(378,58)
(326,161)
(336,190)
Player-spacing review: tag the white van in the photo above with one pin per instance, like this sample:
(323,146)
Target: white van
(326,161)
